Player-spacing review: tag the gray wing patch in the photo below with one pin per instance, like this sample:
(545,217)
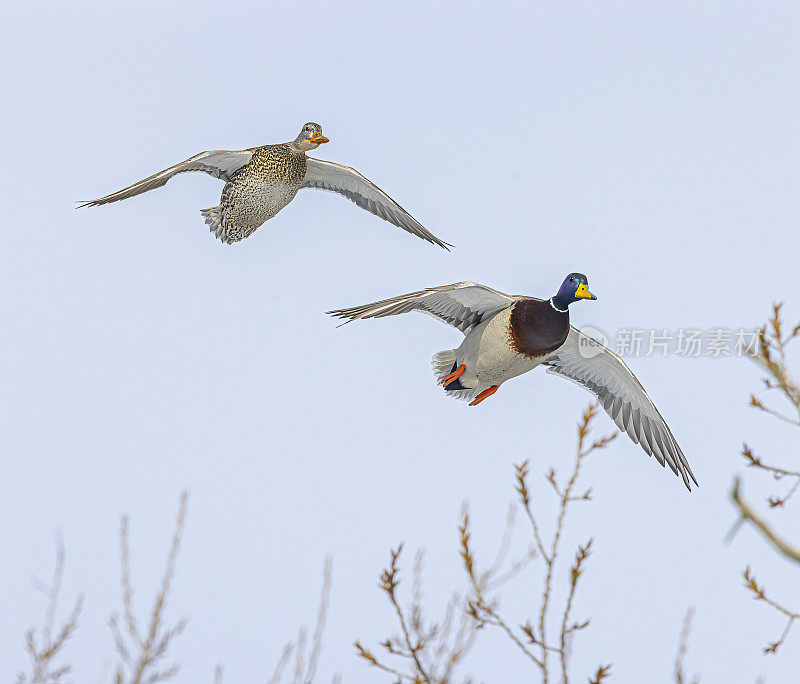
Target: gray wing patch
(325,175)
(462,305)
(598,369)
(221,164)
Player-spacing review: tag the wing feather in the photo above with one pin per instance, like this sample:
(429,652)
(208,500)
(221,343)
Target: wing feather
(598,369)
(349,183)
(221,164)
(462,305)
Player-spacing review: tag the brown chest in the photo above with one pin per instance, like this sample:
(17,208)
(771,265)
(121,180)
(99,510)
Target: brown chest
(278,164)
(535,328)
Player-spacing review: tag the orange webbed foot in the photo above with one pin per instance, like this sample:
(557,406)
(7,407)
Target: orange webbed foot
(455,375)
(483,395)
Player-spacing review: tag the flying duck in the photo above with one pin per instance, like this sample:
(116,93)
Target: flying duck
(260,181)
(506,336)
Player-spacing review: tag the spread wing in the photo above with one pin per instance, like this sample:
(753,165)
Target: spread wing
(218,163)
(462,305)
(589,363)
(348,182)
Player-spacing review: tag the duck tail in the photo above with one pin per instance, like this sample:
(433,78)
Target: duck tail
(213,219)
(444,363)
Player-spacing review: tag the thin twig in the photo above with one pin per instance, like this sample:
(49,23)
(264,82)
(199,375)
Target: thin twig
(281,664)
(575,572)
(141,656)
(43,649)
(565,498)
(760,595)
(746,512)
(683,649)
(771,356)
(322,614)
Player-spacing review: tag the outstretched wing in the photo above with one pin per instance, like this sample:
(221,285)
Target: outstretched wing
(218,163)
(462,305)
(325,175)
(587,362)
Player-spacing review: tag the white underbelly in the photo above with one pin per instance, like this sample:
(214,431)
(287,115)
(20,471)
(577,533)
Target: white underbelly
(487,356)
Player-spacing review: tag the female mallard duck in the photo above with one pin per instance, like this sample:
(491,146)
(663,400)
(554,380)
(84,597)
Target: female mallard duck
(260,181)
(506,336)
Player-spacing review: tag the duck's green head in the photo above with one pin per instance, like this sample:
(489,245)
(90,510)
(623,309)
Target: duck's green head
(574,288)
(310,137)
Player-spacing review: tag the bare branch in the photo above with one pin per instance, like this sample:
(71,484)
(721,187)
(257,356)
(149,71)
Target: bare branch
(423,654)
(603,672)
(771,356)
(746,513)
(574,575)
(565,497)
(521,475)
(322,615)
(428,652)
(151,649)
(759,594)
(484,610)
(43,647)
(282,662)
(683,649)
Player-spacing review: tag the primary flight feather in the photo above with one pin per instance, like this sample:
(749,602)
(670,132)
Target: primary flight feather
(260,181)
(506,336)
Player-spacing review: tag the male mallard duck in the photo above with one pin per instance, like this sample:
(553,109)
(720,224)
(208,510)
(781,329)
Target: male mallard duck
(260,181)
(506,336)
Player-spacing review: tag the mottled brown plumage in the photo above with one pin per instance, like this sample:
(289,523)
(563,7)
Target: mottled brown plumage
(245,204)
(535,328)
(260,181)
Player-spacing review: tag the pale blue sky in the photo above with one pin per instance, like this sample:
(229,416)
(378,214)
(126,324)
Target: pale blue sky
(652,146)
